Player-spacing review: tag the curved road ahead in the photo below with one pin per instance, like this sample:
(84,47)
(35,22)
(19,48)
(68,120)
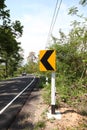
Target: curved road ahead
(9,89)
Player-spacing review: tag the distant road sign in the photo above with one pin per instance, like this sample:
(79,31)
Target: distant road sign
(47,60)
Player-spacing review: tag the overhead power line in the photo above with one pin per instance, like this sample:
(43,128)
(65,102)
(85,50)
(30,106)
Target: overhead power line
(54,18)
(51,26)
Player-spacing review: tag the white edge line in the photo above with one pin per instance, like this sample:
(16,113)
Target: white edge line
(16,97)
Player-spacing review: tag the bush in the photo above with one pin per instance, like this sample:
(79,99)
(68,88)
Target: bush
(39,125)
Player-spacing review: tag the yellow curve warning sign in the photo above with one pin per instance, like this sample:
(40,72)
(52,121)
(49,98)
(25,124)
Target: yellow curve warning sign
(47,60)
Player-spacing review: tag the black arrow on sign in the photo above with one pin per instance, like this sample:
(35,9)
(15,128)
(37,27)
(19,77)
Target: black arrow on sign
(45,58)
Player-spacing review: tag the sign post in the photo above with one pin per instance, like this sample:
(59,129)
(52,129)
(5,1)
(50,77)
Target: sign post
(53,97)
(48,63)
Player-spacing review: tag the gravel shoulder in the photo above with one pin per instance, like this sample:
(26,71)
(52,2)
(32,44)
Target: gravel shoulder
(35,110)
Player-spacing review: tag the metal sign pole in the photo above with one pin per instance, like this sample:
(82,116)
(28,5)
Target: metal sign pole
(53,99)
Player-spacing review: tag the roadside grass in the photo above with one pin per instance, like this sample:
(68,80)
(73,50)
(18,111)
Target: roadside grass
(23,119)
(70,93)
(47,94)
(73,94)
(39,125)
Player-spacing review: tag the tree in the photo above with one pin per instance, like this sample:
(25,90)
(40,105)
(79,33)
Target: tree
(31,58)
(72,51)
(9,46)
(83,2)
(74,10)
(79,32)
(2,4)
(32,64)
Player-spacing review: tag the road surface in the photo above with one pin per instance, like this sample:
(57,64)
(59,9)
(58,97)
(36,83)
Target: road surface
(8,91)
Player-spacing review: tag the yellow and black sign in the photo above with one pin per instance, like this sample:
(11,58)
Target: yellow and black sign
(47,60)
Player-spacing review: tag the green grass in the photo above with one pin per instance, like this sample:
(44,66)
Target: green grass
(47,94)
(72,93)
(39,125)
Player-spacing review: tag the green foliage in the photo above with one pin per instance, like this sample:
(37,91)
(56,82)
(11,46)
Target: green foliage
(10,50)
(40,125)
(73,10)
(2,5)
(42,81)
(83,2)
(47,93)
(71,62)
(73,52)
(2,71)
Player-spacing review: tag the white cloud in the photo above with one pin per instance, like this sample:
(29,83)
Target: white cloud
(35,34)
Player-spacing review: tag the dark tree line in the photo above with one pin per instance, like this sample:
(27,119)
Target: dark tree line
(10,50)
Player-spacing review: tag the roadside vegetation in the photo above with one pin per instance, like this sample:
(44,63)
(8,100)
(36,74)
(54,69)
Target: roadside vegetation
(11,54)
(71,67)
(71,63)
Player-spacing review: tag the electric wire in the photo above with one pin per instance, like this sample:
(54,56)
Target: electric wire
(54,18)
(56,15)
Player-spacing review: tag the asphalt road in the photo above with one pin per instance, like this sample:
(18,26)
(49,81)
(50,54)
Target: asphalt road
(8,91)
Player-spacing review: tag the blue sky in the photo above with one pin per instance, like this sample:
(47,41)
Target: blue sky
(36,16)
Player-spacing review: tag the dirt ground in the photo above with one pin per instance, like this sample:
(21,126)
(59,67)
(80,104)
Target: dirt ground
(35,110)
